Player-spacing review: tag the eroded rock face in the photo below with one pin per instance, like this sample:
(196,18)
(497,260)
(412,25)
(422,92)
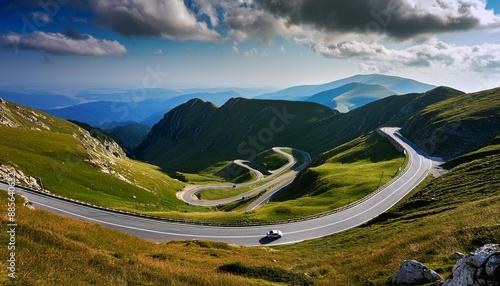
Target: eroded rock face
(481,268)
(8,172)
(413,272)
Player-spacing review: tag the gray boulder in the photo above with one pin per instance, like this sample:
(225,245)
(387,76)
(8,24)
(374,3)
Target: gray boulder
(413,272)
(481,268)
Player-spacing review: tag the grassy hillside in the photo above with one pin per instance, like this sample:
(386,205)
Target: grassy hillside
(348,173)
(391,111)
(198,134)
(96,170)
(458,125)
(68,161)
(456,212)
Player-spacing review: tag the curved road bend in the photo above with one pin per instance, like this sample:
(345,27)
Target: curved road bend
(189,196)
(155,230)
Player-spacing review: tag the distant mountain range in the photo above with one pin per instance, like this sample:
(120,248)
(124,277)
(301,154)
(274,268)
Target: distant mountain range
(398,84)
(148,106)
(351,96)
(352,92)
(104,114)
(197,134)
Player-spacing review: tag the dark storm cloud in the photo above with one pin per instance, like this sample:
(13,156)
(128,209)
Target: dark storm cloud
(396,18)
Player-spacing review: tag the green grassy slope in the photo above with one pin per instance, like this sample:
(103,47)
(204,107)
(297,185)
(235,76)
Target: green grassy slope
(198,134)
(346,174)
(391,111)
(71,163)
(270,160)
(458,125)
(456,212)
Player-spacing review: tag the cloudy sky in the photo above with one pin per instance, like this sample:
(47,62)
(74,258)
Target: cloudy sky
(247,43)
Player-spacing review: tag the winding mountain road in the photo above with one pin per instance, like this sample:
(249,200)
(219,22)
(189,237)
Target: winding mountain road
(276,181)
(419,167)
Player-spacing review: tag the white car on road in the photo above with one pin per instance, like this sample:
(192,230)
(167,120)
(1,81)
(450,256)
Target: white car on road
(274,234)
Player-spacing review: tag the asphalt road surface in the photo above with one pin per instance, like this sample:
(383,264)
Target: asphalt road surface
(419,167)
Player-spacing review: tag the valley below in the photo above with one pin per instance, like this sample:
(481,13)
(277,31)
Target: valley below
(207,182)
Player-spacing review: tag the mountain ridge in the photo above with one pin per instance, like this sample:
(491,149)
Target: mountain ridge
(244,127)
(398,84)
(208,134)
(351,96)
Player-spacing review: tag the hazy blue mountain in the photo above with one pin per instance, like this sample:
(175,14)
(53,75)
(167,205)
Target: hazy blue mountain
(39,101)
(244,92)
(351,96)
(398,84)
(218,98)
(104,114)
(132,95)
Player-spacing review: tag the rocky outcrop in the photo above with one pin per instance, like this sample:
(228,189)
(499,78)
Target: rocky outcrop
(481,268)
(13,115)
(6,173)
(413,272)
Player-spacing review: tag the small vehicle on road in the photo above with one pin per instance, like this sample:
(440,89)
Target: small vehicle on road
(274,234)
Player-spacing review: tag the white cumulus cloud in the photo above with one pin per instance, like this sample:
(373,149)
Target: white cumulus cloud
(437,56)
(170,19)
(61,44)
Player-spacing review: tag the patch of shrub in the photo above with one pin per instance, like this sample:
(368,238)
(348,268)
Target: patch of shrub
(161,256)
(267,273)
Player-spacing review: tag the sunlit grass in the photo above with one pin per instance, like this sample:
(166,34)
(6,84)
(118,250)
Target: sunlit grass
(217,194)
(456,212)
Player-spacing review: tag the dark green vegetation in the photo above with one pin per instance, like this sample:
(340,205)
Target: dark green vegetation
(235,174)
(198,134)
(456,126)
(267,273)
(271,160)
(390,111)
(129,135)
